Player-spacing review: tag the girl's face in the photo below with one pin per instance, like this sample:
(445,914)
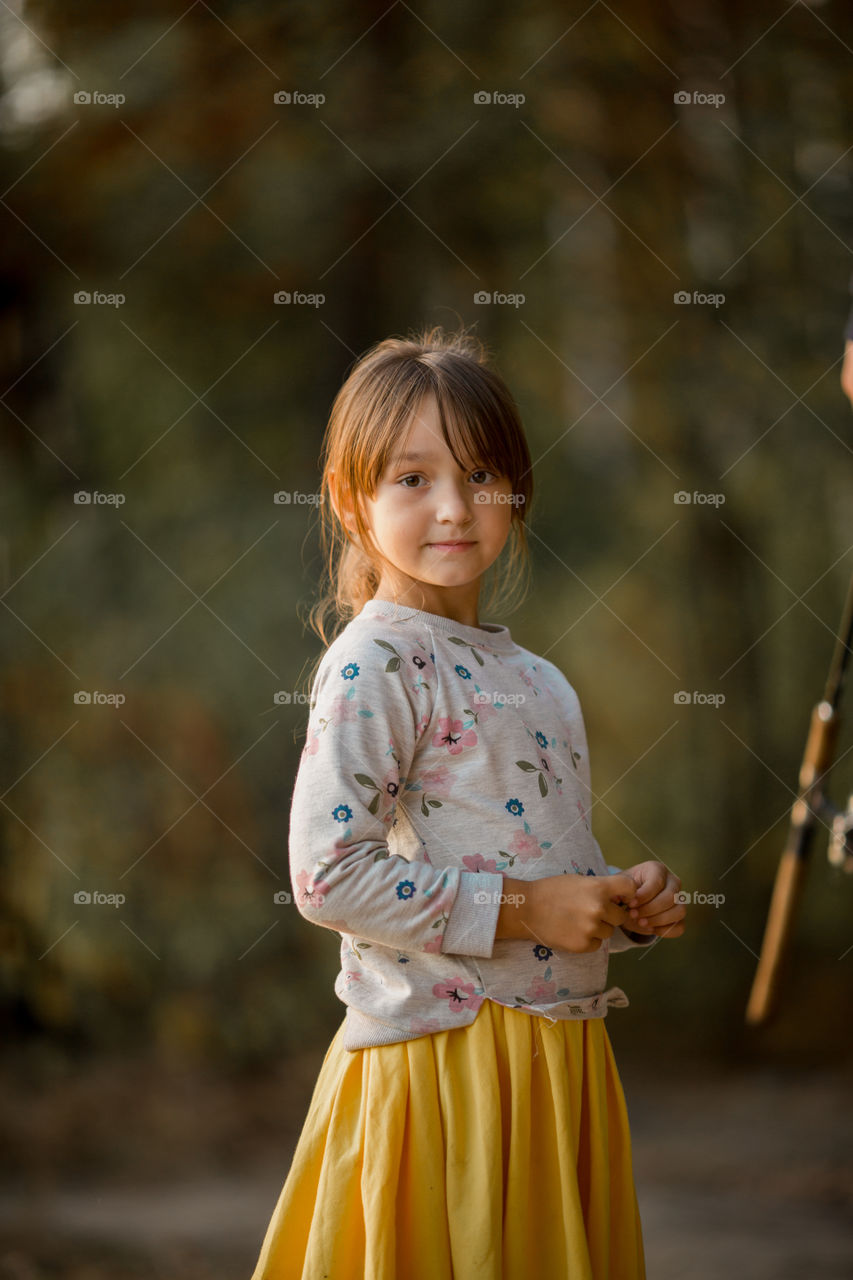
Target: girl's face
(440,527)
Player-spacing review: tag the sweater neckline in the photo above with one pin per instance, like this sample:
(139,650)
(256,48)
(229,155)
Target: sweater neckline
(492,635)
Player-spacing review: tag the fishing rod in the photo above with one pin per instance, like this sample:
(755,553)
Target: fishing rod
(811,807)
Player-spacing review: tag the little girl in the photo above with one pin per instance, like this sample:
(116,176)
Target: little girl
(468,1121)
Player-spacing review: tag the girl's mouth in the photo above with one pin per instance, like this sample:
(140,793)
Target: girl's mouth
(450,546)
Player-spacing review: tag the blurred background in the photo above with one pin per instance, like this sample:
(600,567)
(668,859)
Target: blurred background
(208,211)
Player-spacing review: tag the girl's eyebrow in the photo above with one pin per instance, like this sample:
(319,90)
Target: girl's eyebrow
(411,457)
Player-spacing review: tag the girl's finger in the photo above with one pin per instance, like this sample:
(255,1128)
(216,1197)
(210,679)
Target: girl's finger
(645,910)
(673,915)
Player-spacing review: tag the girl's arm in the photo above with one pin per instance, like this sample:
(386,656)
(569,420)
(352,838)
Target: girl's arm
(370,705)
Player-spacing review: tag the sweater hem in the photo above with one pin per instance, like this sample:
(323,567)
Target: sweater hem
(364,1031)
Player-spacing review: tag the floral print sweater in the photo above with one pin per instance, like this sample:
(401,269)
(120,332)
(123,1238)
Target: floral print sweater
(437,757)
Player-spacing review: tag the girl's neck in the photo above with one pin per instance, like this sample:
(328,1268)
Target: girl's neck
(455,604)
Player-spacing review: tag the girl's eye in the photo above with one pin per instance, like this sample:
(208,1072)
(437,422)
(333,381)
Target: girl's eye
(481,471)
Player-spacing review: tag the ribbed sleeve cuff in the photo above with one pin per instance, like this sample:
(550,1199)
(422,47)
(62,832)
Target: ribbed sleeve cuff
(623,939)
(473,917)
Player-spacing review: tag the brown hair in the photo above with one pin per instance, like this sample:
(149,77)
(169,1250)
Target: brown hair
(375,404)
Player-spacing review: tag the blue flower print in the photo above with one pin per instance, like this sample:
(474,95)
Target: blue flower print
(541,739)
(515,807)
(350,671)
(406,889)
(343,813)
(463,672)
(542,952)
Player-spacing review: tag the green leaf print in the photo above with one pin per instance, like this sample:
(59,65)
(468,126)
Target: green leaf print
(533,768)
(393,664)
(469,647)
(365,781)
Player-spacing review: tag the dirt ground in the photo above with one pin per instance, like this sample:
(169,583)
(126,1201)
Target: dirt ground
(126,1170)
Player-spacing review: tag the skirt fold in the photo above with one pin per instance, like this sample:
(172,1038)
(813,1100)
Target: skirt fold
(495,1151)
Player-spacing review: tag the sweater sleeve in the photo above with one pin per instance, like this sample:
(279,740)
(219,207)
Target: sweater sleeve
(370,706)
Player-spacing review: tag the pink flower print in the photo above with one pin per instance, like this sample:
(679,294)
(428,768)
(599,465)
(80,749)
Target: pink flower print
(351,976)
(312,744)
(424,1026)
(309,890)
(438,781)
(540,990)
(485,710)
(434,944)
(458,994)
(343,709)
(476,862)
(525,846)
(583,815)
(451,735)
(422,724)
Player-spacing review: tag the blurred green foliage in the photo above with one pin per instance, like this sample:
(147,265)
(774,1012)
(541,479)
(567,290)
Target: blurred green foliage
(399,198)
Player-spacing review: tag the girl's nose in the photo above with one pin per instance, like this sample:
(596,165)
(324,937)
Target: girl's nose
(453,504)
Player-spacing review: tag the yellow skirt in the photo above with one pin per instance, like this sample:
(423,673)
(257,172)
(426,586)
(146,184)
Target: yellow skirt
(495,1151)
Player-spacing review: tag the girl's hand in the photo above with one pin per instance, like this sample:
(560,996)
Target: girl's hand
(652,907)
(573,912)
